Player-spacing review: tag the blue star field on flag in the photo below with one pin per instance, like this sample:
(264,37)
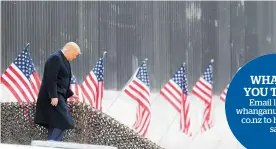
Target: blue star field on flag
(25,64)
(73,80)
(208,75)
(99,69)
(180,79)
(142,74)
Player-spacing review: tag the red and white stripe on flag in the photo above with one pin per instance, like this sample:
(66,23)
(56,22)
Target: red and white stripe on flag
(93,85)
(99,97)
(89,88)
(143,114)
(223,94)
(22,79)
(185,120)
(92,90)
(76,90)
(203,89)
(173,94)
(208,121)
(139,92)
(138,89)
(142,120)
(176,93)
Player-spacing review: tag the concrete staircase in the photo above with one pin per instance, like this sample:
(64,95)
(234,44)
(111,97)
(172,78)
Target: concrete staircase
(92,127)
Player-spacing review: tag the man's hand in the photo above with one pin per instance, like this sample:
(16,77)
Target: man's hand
(75,96)
(54,101)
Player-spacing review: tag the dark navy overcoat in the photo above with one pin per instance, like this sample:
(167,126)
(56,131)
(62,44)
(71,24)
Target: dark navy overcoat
(55,83)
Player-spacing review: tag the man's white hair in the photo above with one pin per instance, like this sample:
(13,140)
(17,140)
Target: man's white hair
(72,46)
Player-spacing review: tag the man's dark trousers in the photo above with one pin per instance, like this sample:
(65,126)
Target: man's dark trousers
(55,134)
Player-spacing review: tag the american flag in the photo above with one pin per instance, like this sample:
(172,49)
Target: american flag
(138,89)
(173,90)
(204,91)
(223,94)
(21,78)
(93,85)
(176,93)
(75,87)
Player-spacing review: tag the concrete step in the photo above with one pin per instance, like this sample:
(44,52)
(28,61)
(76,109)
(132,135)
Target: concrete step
(16,146)
(68,145)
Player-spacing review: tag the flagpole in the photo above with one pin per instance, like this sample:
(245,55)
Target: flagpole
(121,92)
(104,53)
(27,45)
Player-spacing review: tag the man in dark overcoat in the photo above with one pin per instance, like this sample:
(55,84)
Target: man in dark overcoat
(51,108)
